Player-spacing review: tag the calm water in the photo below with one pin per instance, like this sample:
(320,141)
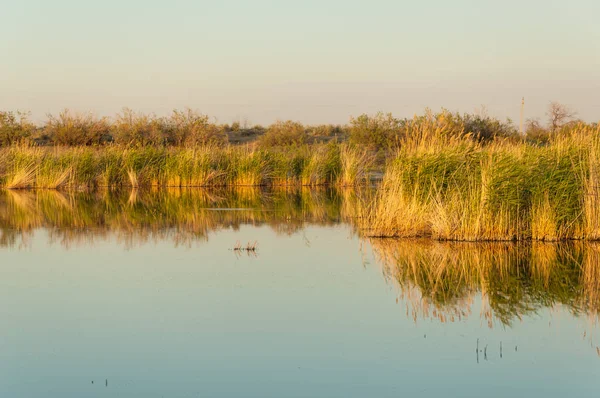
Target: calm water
(141,295)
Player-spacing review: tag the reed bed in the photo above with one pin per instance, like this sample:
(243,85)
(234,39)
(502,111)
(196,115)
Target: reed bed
(439,182)
(201,166)
(451,187)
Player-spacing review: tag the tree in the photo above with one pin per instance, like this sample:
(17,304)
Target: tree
(559,115)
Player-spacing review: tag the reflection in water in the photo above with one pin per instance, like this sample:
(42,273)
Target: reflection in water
(441,280)
(180,215)
(437,280)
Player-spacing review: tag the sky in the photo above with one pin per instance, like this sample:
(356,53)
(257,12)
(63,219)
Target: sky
(315,61)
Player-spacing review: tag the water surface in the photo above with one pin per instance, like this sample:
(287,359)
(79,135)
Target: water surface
(142,294)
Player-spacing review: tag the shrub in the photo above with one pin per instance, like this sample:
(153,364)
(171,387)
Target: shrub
(14,128)
(137,129)
(76,129)
(327,130)
(486,128)
(255,130)
(192,128)
(535,132)
(284,134)
(374,132)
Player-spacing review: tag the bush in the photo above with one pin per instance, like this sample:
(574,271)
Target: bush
(14,128)
(486,128)
(374,132)
(383,131)
(77,129)
(192,128)
(535,132)
(284,134)
(137,129)
(326,130)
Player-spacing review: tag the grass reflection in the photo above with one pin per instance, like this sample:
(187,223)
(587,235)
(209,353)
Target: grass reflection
(183,215)
(441,280)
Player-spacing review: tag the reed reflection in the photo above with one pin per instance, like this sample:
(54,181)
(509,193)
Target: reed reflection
(441,280)
(181,215)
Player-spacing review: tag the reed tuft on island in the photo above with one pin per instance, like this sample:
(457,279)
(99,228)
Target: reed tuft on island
(445,185)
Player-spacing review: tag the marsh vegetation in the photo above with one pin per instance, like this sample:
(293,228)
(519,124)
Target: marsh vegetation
(200,166)
(450,187)
(445,176)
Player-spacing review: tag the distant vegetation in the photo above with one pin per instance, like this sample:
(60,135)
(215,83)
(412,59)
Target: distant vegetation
(132,129)
(378,132)
(284,134)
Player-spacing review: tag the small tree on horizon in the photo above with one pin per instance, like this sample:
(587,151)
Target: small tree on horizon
(559,115)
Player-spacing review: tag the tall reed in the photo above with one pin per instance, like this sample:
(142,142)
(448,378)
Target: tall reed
(24,167)
(450,187)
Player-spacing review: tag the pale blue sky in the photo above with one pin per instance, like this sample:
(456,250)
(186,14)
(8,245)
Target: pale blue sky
(312,60)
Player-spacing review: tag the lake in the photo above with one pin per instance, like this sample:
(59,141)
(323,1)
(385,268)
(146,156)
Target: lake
(143,294)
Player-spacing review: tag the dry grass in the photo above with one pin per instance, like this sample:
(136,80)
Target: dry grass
(197,166)
(21,178)
(591,199)
(355,166)
(134,181)
(451,188)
